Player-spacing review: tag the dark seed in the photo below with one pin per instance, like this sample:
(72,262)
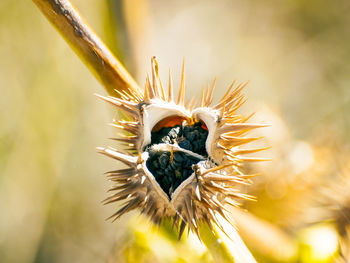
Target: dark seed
(178,173)
(178,157)
(155,164)
(166,180)
(173,165)
(190,136)
(163,160)
(185,145)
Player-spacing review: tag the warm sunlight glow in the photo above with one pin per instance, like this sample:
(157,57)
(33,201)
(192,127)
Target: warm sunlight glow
(323,241)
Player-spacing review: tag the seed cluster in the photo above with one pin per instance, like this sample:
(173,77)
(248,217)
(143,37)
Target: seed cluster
(191,138)
(171,169)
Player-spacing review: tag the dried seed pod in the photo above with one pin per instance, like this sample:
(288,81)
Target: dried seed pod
(183,163)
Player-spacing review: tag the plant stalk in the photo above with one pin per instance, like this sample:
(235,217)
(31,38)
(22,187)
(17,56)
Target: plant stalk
(87,45)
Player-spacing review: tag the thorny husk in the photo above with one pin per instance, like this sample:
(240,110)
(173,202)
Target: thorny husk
(182,162)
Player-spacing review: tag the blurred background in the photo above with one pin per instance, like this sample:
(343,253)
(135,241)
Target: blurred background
(295,54)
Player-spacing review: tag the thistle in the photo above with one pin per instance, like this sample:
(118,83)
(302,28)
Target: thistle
(183,162)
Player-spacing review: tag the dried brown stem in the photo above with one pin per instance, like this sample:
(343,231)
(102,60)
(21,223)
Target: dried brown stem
(87,45)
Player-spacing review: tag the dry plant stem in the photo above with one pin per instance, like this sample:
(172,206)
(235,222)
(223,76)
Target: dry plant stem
(87,45)
(217,248)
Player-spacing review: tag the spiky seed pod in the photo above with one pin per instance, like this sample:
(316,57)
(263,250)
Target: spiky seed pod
(182,163)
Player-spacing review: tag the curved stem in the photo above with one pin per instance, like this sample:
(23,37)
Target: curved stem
(87,45)
(225,246)
(216,247)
